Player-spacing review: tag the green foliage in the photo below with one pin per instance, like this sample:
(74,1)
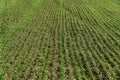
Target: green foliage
(59,39)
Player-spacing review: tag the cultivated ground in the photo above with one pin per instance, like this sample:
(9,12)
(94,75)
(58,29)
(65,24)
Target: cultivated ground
(59,39)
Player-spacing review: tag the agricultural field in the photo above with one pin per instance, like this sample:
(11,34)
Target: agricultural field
(59,39)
